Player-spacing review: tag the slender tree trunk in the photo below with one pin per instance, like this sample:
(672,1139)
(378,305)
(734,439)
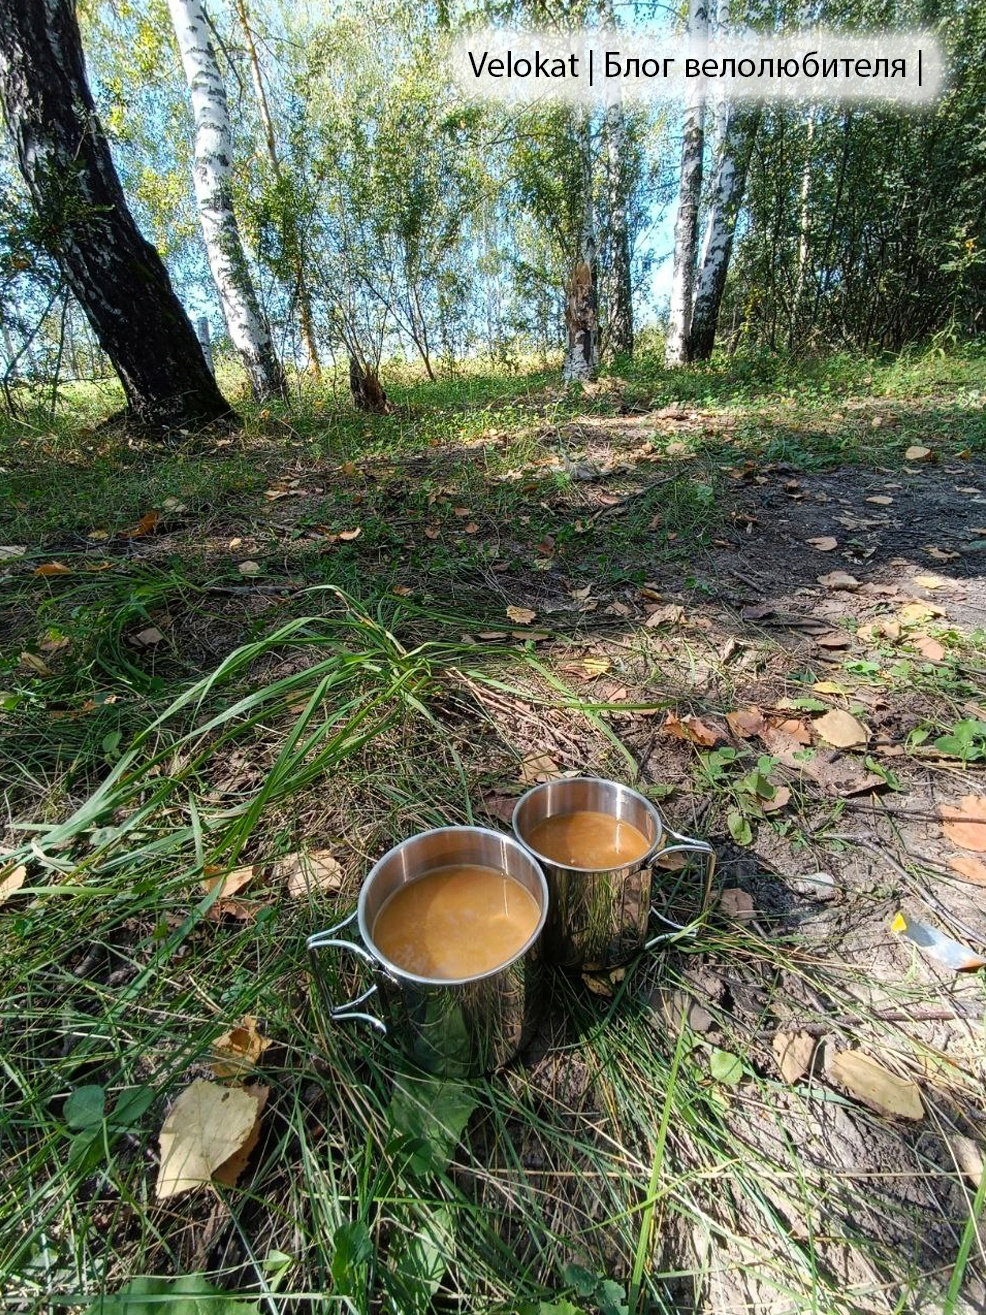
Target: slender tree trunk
(581,299)
(689,199)
(116,276)
(621,287)
(213,192)
(727,194)
(804,232)
(296,254)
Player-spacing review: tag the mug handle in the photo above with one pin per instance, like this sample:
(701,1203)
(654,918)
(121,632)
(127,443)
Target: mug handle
(349,1009)
(684,845)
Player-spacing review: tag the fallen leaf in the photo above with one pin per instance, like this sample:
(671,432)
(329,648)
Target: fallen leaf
(746,722)
(918,453)
(307,873)
(596,666)
(940,555)
(966,824)
(841,729)
(31,662)
(917,612)
(174,506)
(791,728)
(471,528)
(347,536)
(230,1170)
(883,627)
(928,647)
(232,881)
(461,512)
(669,614)
(207,1124)
(736,903)
(824,544)
(930,581)
(839,580)
(973,869)
(249,568)
(538,767)
(11,550)
(782,797)
(500,806)
(793,1052)
(692,729)
(833,639)
(880,500)
(522,616)
(968,1156)
(11,880)
(432,531)
(829,687)
(403,591)
(946,951)
(53,568)
(274,495)
(238,1051)
(146,525)
(871,1083)
(149,636)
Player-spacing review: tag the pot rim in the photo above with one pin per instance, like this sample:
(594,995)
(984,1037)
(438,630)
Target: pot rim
(661,826)
(402,974)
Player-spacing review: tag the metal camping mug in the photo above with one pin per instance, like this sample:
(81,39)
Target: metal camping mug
(598,919)
(457,1027)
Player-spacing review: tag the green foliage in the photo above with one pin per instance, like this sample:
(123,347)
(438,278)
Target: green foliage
(190,1295)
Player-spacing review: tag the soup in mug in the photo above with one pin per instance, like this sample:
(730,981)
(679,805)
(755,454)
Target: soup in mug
(585,839)
(458,921)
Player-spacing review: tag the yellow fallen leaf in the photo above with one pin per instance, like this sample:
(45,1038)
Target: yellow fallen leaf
(871,1083)
(930,581)
(522,616)
(966,824)
(207,1124)
(793,1052)
(841,729)
(31,662)
(596,666)
(918,453)
(53,568)
(928,647)
(915,613)
(347,536)
(230,1170)
(829,687)
(11,880)
(238,1051)
(232,881)
(308,873)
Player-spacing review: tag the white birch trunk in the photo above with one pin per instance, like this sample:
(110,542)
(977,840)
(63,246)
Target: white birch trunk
(620,284)
(581,308)
(717,245)
(676,351)
(247,327)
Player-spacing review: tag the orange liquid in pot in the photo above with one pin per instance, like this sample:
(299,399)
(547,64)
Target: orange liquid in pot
(588,840)
(458,921)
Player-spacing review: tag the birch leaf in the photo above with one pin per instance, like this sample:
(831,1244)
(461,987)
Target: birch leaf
(692,729)
(11,880)
(230,1170)
(238,1051)
(793,1052)
(841,729)
(207,1124)
(307,873)
(871,1083)
(232,881)
(521,616)
(928,648)
(745,722)
(918,453)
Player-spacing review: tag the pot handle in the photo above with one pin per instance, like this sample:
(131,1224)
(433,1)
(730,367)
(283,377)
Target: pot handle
(349,1009)
(684,845)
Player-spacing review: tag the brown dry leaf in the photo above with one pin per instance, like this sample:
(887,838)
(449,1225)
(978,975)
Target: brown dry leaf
(736,903)
(31,662)
(538,767)
(522,616)
(500,806)
(207,1124)
(793,1052)
(596,666)
(973,869)
(307,873)
(782,797)
(941,555)
(792,728)
(146,525)
(825,543)
(238,1051)
(833,639)
(403,591)
(917,612)
(928,647)
(839,580)
(841,729)
(232,881)
(274,495)
(871,1083)
(11,880)
(461,512)
(432,531)
(966,825)
(692,729)
(930,582)
(676,862)
(53,568)
(471,528)
(230,1170)
(148,637)
(881,500)
(249,568)
(670,614)
(347,536)
(968,1156)
(746,722)
(918,453)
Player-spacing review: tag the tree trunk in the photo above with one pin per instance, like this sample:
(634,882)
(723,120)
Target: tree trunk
(296,254)
(689,198)
(621,288)
(213,192)
(117,277)
(366,388)
(581,301)
(727,193)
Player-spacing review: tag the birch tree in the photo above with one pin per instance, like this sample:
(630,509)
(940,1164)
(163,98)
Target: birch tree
(117,277)
(676,351)
(581,295)
(245,321)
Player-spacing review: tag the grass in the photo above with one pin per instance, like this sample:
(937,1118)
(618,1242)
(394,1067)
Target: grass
(354,692)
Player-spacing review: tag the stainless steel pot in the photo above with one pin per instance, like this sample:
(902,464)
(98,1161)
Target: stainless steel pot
(598,919)
(455,1028)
